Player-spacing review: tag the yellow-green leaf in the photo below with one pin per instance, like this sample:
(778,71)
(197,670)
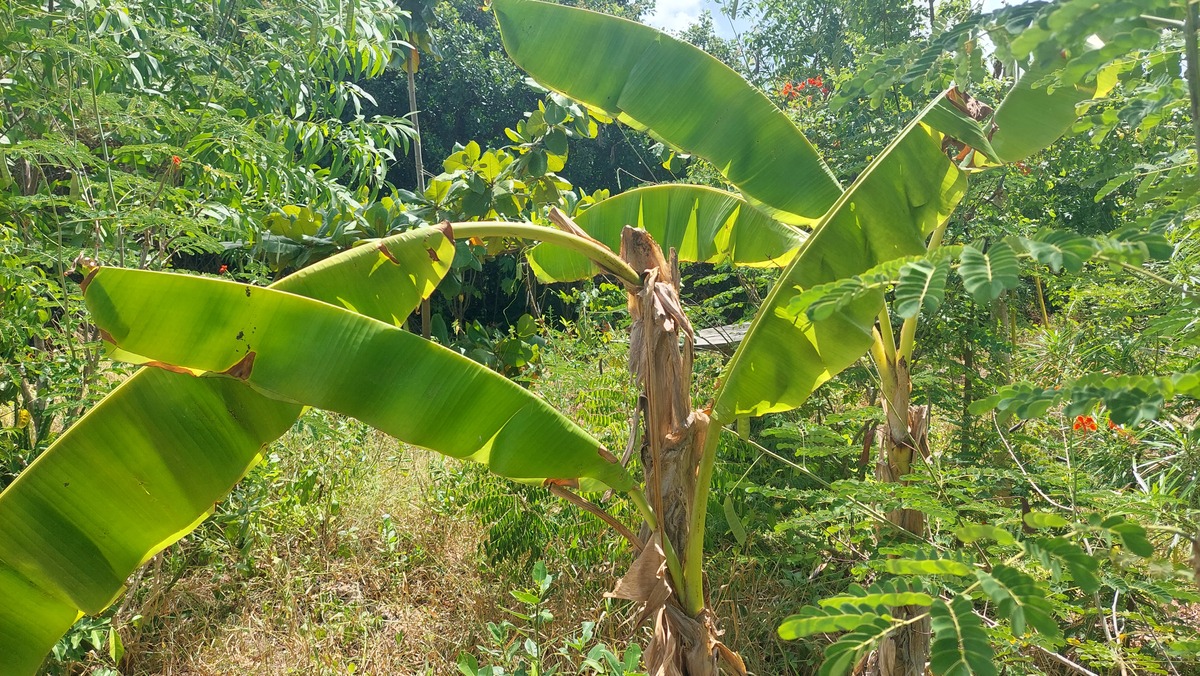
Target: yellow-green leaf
(906,192)
(297,349)
(689,99)
(702,224)
(148,464)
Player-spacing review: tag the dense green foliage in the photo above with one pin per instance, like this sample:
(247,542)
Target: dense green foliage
(1056,349)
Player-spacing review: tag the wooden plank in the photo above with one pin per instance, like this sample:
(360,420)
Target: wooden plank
(721,338)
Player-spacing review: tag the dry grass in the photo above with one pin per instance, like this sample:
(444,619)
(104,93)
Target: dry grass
(334,598)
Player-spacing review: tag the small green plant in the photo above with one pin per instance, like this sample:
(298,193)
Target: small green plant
(521,649)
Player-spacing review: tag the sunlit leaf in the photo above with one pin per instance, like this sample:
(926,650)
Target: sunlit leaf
(921,287)
(987,275)
(691,100)
(300,350)
(149,462)
(960,644)
(1019,599)
(702,225)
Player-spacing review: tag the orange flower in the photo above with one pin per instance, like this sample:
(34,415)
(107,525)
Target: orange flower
(223,270)
(1085,424)
(176,161)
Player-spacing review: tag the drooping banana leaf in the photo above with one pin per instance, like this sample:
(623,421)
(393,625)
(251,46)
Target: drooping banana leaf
(147,464)
(701,223)
(906,192)
(298,349)
(1031,118)
(689,99)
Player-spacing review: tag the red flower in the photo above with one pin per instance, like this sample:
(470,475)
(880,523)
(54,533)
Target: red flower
(787,90)
(176,161)
(800,86)
(223,270)
(1085,424)
(815,82)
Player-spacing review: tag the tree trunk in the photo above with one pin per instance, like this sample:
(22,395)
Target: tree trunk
(683,643)
(410,69)
(906,649)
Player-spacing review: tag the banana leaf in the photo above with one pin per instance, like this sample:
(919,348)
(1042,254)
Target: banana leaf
(298,349)
(687,98)
(147,464)
(902,196)
(700,223)
(1031,118)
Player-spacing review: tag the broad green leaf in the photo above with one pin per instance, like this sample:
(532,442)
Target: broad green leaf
(1061,250)
(293,222)
(960,644)
(1131,535)
(524,596)
(1020,600)
(812,620)
(978,531)
(702,224)
(987,275)
(1056,553)
(1044,520)
(923,567)
(689,99)
(1029,119)
(735,522)
(845,653)
(905,193)
(894,592)
(301,350)
(147,464)
(922,286)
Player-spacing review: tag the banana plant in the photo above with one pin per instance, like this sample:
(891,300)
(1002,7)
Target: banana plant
(897,208)
(231,364)
(150,461)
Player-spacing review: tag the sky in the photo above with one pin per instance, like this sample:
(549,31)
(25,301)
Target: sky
(676,15)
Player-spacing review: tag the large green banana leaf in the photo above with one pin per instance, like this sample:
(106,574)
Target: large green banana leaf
(298,349)
(906,192)
(147,464)
(687,98)
(700,223)
(1030,119)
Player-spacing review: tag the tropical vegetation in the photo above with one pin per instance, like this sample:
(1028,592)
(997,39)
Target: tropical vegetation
(955,437)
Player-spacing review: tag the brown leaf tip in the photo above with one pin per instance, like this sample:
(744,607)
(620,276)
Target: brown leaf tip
(565,483)
(608,456)
(169,367)
(242,369)
(387,253)
(82,270)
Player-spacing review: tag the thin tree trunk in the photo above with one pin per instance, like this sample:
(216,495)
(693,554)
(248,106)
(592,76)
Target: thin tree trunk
(906,436)
(411,69)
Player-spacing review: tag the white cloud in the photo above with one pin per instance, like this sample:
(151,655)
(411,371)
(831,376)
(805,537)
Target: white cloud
(674,15)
